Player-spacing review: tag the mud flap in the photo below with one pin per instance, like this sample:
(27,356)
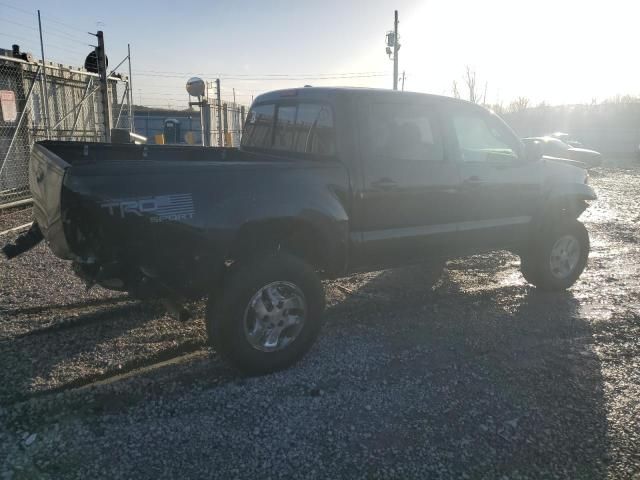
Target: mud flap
(24,242)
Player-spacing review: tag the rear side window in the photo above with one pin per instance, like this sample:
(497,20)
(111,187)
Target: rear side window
(296,128)
(258,131)
(404,132)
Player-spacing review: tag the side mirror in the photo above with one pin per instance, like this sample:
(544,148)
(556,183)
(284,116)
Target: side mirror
(533,151)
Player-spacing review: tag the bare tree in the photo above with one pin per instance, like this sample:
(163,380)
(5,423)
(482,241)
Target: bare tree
(456,92)
(474,95)
(622,99)
(519,104)
(497,108)
(470,81)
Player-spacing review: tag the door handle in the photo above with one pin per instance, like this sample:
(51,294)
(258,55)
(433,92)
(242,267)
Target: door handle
(384,184)
(473,179)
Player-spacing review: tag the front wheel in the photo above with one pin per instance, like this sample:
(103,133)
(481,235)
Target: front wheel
(558,256)
(268,314)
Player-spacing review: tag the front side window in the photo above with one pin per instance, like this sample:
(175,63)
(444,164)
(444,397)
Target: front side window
(404,132)
(296,128)
(481,140)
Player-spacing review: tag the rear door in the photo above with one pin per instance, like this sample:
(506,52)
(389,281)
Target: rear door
(409,199)
(500,189)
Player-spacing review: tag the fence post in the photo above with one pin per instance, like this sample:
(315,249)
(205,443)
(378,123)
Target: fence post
(205,108)
(44,82)
(219,111)
(131,119)
(241,120)
(225,120)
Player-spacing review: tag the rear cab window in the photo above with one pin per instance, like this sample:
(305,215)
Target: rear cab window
(305,128)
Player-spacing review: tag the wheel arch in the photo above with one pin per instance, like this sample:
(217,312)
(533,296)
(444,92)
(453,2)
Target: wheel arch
(319,243)
(565,201)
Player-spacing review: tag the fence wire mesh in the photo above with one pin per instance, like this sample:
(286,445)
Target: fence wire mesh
(227,121)
(120,104)
(52,102)
(15,131)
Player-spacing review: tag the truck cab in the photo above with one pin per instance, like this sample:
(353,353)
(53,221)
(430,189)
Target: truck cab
(429,176)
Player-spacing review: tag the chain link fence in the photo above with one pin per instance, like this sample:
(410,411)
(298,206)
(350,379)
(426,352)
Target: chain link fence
(119,91)
(227,121)
(52,102)
(185,127)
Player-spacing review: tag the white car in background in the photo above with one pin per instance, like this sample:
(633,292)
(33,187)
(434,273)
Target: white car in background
(567,138)
(554,147)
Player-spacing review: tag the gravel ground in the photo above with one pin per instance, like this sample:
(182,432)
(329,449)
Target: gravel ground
(471,374)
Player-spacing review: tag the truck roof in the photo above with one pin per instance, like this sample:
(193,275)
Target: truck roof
(327,92)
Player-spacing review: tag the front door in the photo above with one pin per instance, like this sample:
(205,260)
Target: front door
(500,189)
(408,202)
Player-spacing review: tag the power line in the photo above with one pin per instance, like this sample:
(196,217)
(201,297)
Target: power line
(264,78)
(62,36)
(47,29)
(53,19)
(314,75)
(49,17)
(13,22)
(22,10)
(14,37)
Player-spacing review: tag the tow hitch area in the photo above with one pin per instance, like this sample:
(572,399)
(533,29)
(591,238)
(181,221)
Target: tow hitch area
(24,242)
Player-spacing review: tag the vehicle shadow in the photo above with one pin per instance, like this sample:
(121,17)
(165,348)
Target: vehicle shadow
(511,373)
(79,347)
(482,381)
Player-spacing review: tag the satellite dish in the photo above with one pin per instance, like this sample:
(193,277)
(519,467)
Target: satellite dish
(195,87)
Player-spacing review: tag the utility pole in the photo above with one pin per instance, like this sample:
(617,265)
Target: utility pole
(205,121)
(403,77)
(219,102)
(104,86)
(396,47)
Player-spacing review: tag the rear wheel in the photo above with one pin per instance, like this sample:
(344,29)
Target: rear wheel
(558,256)
(268,314)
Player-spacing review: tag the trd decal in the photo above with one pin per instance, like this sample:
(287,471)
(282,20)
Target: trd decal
(161,208)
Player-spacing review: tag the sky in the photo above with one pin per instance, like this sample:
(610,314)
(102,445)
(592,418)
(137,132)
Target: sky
(553,51)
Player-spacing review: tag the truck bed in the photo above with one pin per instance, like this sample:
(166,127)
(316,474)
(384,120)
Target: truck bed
(174,212)
(75,152)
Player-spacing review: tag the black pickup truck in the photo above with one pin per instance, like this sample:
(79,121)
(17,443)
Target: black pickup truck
(327,181)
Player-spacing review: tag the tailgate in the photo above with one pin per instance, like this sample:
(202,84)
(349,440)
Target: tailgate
(46,173)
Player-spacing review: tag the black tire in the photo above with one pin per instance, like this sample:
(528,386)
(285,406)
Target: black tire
(536,262)
(225,313)
(527,267)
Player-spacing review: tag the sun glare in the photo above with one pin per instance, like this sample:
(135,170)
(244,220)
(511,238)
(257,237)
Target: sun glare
(557,52)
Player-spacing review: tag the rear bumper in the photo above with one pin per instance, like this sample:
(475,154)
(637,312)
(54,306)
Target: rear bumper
(46,174)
